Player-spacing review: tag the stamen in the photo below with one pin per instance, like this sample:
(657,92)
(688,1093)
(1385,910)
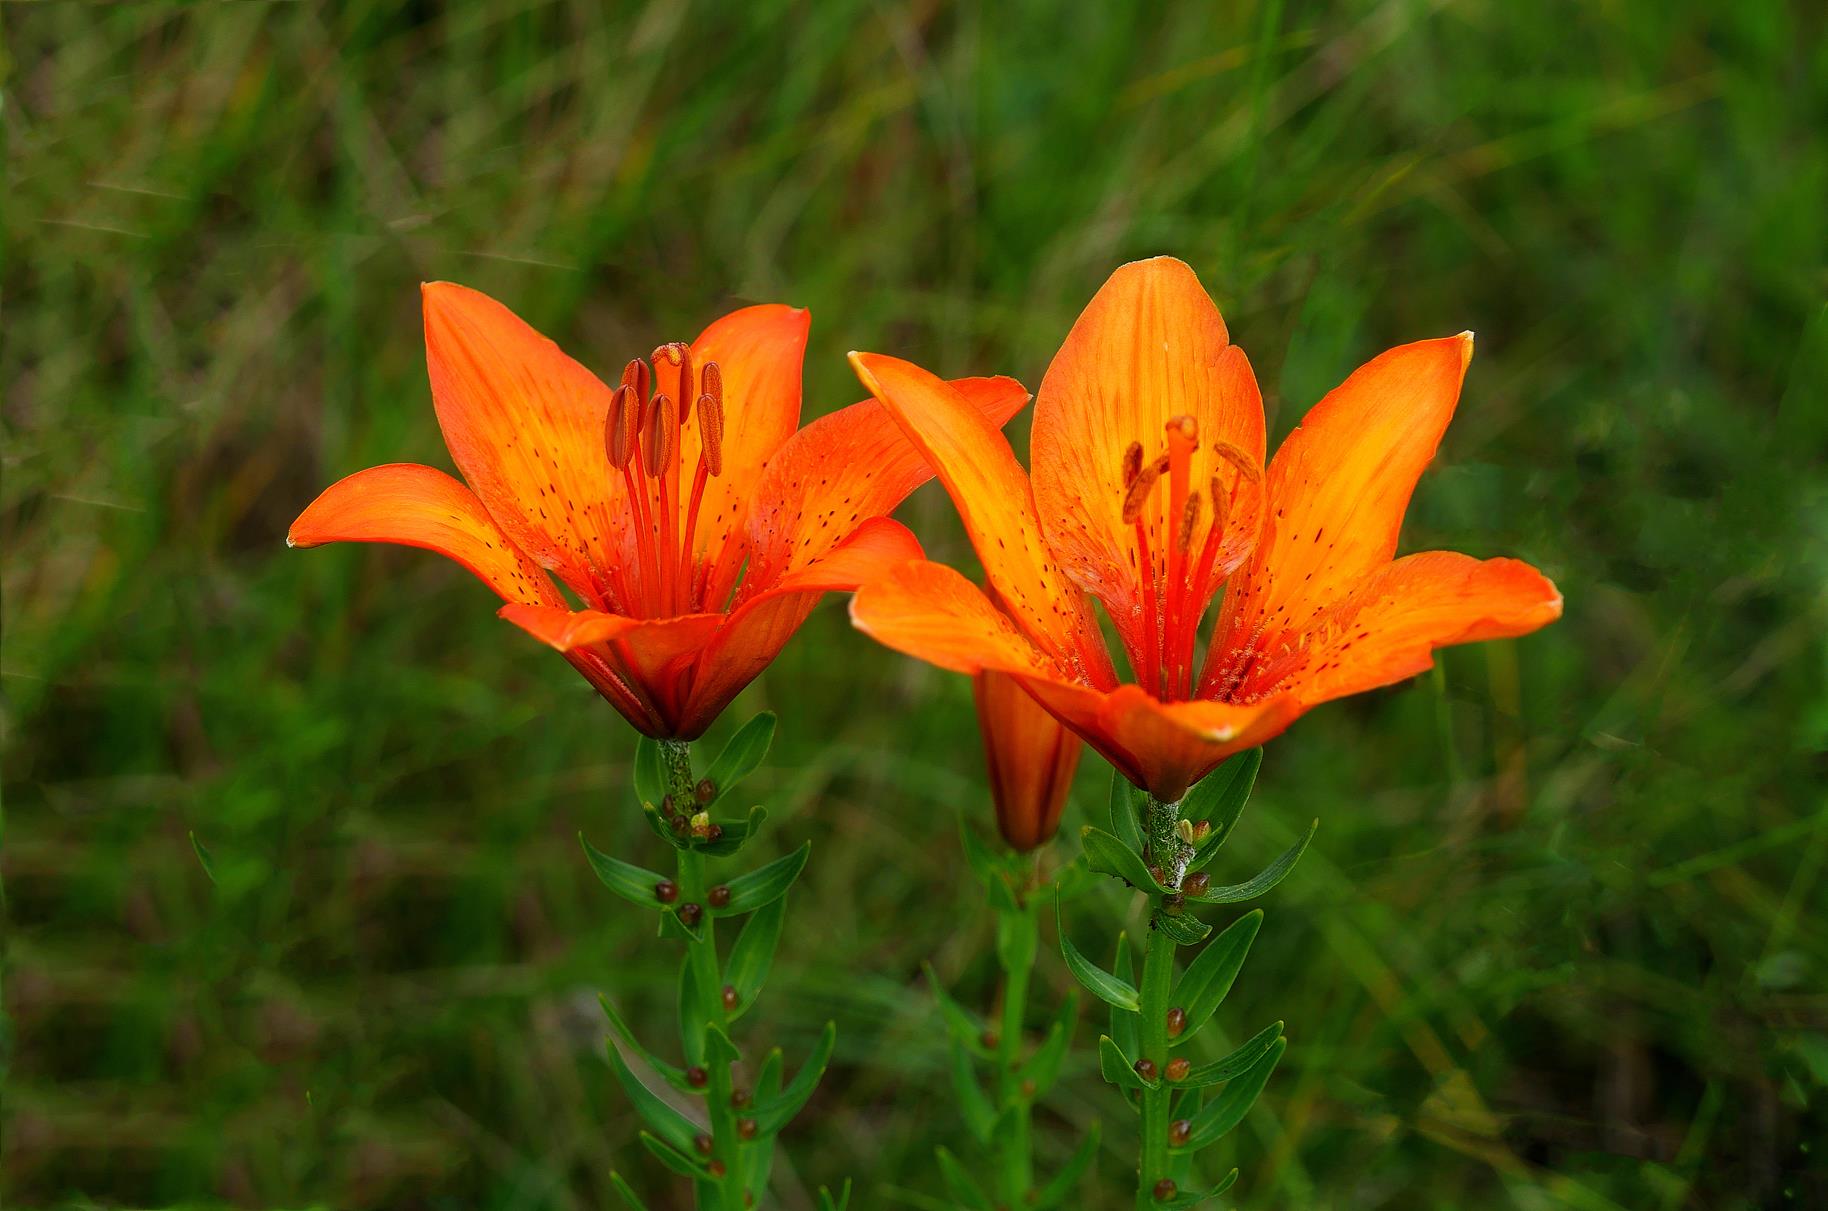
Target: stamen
(635,377)
(622,426)
(1190,518)
(680,354)
(1132,464)
(661,443)
(1136,494)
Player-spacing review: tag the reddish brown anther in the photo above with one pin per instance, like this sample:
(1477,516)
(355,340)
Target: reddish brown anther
(1190,520)
(1137,494)
(1164,1190)
(1179,1132)
(696,1077)
(666,891)
(622,426)
(690,913)
(1145,1068)
(719,896)
(1196,883)
(636,378)
(1178,1068)
(660,441)
(1132,463)
(1177,1022)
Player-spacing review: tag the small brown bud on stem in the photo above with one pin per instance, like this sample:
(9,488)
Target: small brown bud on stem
(1177,1022)
(666,891)
(1178,1068)
(719,896)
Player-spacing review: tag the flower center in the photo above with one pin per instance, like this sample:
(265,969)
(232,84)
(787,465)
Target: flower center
(642,436)
(1178,581)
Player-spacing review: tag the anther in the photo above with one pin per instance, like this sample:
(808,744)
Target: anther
(1132,463)
(622,425)
(635,378)
(1190,518)
(1221,503)
(662,437)
(711,427)
(1137,495)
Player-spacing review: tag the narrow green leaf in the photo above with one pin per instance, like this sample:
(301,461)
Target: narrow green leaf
(1066,1179)
(1126,809)
(670,1125)
(661,829)
(627,1192)
(1117,1067)
(965,1191)
(692,1014)
(1016,939)
(650,773)
(1240,1061)
(735,833)
(672,1073)
(1044,1065)
(718,1047)
(768,1080)
(679,1162)
(633,883)
(752,954)
(764,885)
(1271,875)
(1108,855)
(961,1023)
(1220,796)
(778,1111)
(203,857)
(1209,977)
(1183,930)
(973,1106)
(1225,1184)
(1228,1109)
(672,927)
(1126,1024)
(1075,879)
(840,1203)
(1101,984)
(742,755)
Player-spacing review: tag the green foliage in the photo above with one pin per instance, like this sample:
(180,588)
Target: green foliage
(1560,940)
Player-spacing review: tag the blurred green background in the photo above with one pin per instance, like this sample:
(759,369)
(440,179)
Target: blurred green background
(1561,939)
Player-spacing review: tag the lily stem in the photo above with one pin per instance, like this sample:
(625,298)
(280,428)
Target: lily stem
(725,1192)
(1017,932)
(1157,988)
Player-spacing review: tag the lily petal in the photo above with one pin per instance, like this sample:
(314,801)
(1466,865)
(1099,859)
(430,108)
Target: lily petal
(931,612)
(757,630)
(759,351)
(524,423)
(419,506)
(991,492)
(1389,628)
(1163,746)
(1149,347)
(845,467)
(1340,484)
(650,658)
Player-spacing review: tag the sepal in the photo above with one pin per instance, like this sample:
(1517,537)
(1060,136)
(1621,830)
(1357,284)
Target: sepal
(1100,983)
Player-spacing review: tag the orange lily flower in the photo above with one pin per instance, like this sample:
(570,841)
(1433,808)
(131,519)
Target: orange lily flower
(1031,758)
(686,510)
(1149,494)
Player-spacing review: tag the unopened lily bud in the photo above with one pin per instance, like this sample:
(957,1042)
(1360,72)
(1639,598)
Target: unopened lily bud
(1196,883)
(705,791)
(1177,1022)
(1178,1068)
(719,896)
(1145,1068)
(666,891)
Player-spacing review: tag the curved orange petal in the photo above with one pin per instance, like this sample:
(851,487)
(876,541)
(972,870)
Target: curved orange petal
(929,611)
(1149,347)
(757,630)
(1339,485)
(419,506)
(759,351)
(1031,759)
(1390,626)
(524,423)
(852,464)
(1164,747)
(973,460)
(650,657)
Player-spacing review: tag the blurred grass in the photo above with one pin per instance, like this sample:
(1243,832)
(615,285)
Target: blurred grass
(1561,940)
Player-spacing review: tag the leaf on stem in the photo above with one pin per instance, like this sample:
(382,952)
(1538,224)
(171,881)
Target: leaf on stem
(765,884)
(679,1162)
(650,772)
(1234,1065)
(1126,806)
(693,1015)
(1182,930)
(1126,1024)
(1228,1109)
(633,883)
(673,1075)
(973,1106)
(1117,1067)
(778,1111)
(670,1125)
(1209,977)
(752,954)
(1067,1178)
(843,1199)
(627,1192)
(735,833)
(1101,984)
(962,1024)
(742,755)
(1220,796)
(965,1190)
(1043,1067)
(1108,855)
(1271,875)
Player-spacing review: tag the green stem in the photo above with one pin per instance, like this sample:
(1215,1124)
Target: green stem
(1015,1151)
(1157,988)
(727,1144)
